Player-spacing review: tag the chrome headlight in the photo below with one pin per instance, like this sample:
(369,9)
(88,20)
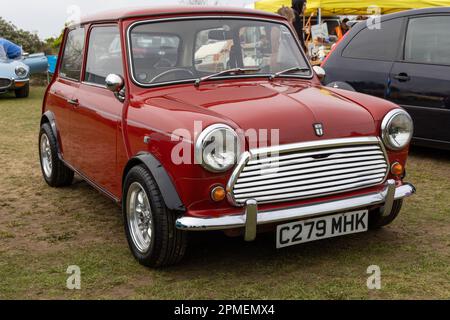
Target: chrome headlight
(397,129)
(21,72)
(217,148)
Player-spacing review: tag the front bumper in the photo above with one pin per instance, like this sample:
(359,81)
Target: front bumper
(252,218)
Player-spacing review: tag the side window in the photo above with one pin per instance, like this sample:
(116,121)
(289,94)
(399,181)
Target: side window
(104,55)
(73,55)
(377,44)
(427,40)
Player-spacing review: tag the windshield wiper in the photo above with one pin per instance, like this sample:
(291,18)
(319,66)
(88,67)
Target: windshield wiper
(290,70)
(225,72)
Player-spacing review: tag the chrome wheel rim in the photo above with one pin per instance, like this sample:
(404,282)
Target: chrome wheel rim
(140,218)
(46,156)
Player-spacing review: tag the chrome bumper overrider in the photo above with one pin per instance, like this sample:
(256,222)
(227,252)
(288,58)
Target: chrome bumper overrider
(251,218)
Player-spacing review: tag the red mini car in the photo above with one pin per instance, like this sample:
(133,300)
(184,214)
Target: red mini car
(197,119)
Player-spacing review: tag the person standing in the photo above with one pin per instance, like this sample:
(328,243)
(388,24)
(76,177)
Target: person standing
(288,13)
(299,7)
(12,50)
(344,26)
(280,45)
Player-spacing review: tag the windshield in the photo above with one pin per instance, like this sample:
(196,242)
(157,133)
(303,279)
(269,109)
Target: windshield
(190,49)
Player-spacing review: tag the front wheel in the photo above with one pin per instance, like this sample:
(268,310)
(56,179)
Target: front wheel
(23,92)
(149,225)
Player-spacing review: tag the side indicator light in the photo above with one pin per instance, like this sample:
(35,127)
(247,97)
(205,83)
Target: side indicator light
(218,194)
(397,169)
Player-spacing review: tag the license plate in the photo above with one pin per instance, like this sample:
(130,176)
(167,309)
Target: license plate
(322,228)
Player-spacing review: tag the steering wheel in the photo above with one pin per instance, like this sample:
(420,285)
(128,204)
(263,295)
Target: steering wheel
(163,62)
(172,71)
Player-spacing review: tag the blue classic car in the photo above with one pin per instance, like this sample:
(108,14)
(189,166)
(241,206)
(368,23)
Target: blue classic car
(14,76)
(15,73)
(37,62)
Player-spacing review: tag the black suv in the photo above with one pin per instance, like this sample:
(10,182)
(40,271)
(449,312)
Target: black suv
(405,59)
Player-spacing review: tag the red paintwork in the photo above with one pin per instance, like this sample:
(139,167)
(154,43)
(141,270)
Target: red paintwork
(100,136)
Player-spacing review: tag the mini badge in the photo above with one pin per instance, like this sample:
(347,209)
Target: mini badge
(318,127)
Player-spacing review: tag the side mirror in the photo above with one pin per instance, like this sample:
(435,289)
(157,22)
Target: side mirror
(320,72)
(114,83)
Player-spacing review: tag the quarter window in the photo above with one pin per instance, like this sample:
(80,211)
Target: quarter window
(427,40)
(73,55)
(104,55)
(376,44)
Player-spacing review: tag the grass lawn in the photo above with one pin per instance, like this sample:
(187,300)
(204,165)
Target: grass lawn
(43,231)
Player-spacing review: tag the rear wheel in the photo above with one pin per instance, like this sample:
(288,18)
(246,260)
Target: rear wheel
(377,220)
(149,225)
(23,92)
(55,172)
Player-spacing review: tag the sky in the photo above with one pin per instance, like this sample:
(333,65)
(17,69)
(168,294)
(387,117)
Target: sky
(47,17)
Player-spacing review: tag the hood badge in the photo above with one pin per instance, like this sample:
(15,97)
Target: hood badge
(318,128)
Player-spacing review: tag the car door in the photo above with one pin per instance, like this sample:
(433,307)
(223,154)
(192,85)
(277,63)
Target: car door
(421,80)
(97,120)
(61,95)
(365,59)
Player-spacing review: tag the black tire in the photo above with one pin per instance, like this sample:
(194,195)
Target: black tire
(168,244)
(376,219)
(60,175)
(23,92)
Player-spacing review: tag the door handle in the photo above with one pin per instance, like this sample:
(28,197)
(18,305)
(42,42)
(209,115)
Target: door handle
(73,102)
(402,77)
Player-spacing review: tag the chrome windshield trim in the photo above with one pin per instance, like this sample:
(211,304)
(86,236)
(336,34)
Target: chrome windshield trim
(210,17)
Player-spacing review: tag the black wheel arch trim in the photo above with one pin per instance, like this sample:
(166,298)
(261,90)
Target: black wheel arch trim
(50,116)
(162,179)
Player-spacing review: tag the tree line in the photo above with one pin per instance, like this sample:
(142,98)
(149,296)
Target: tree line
(29,41)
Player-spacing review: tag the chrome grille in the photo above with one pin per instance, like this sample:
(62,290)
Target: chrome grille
(308,170)
(5,83)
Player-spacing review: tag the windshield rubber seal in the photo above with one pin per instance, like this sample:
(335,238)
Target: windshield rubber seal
(210,17)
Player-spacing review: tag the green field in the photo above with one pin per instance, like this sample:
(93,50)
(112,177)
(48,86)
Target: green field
(43,231)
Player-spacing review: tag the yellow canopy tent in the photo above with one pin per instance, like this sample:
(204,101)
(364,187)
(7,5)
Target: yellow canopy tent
(352,7)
